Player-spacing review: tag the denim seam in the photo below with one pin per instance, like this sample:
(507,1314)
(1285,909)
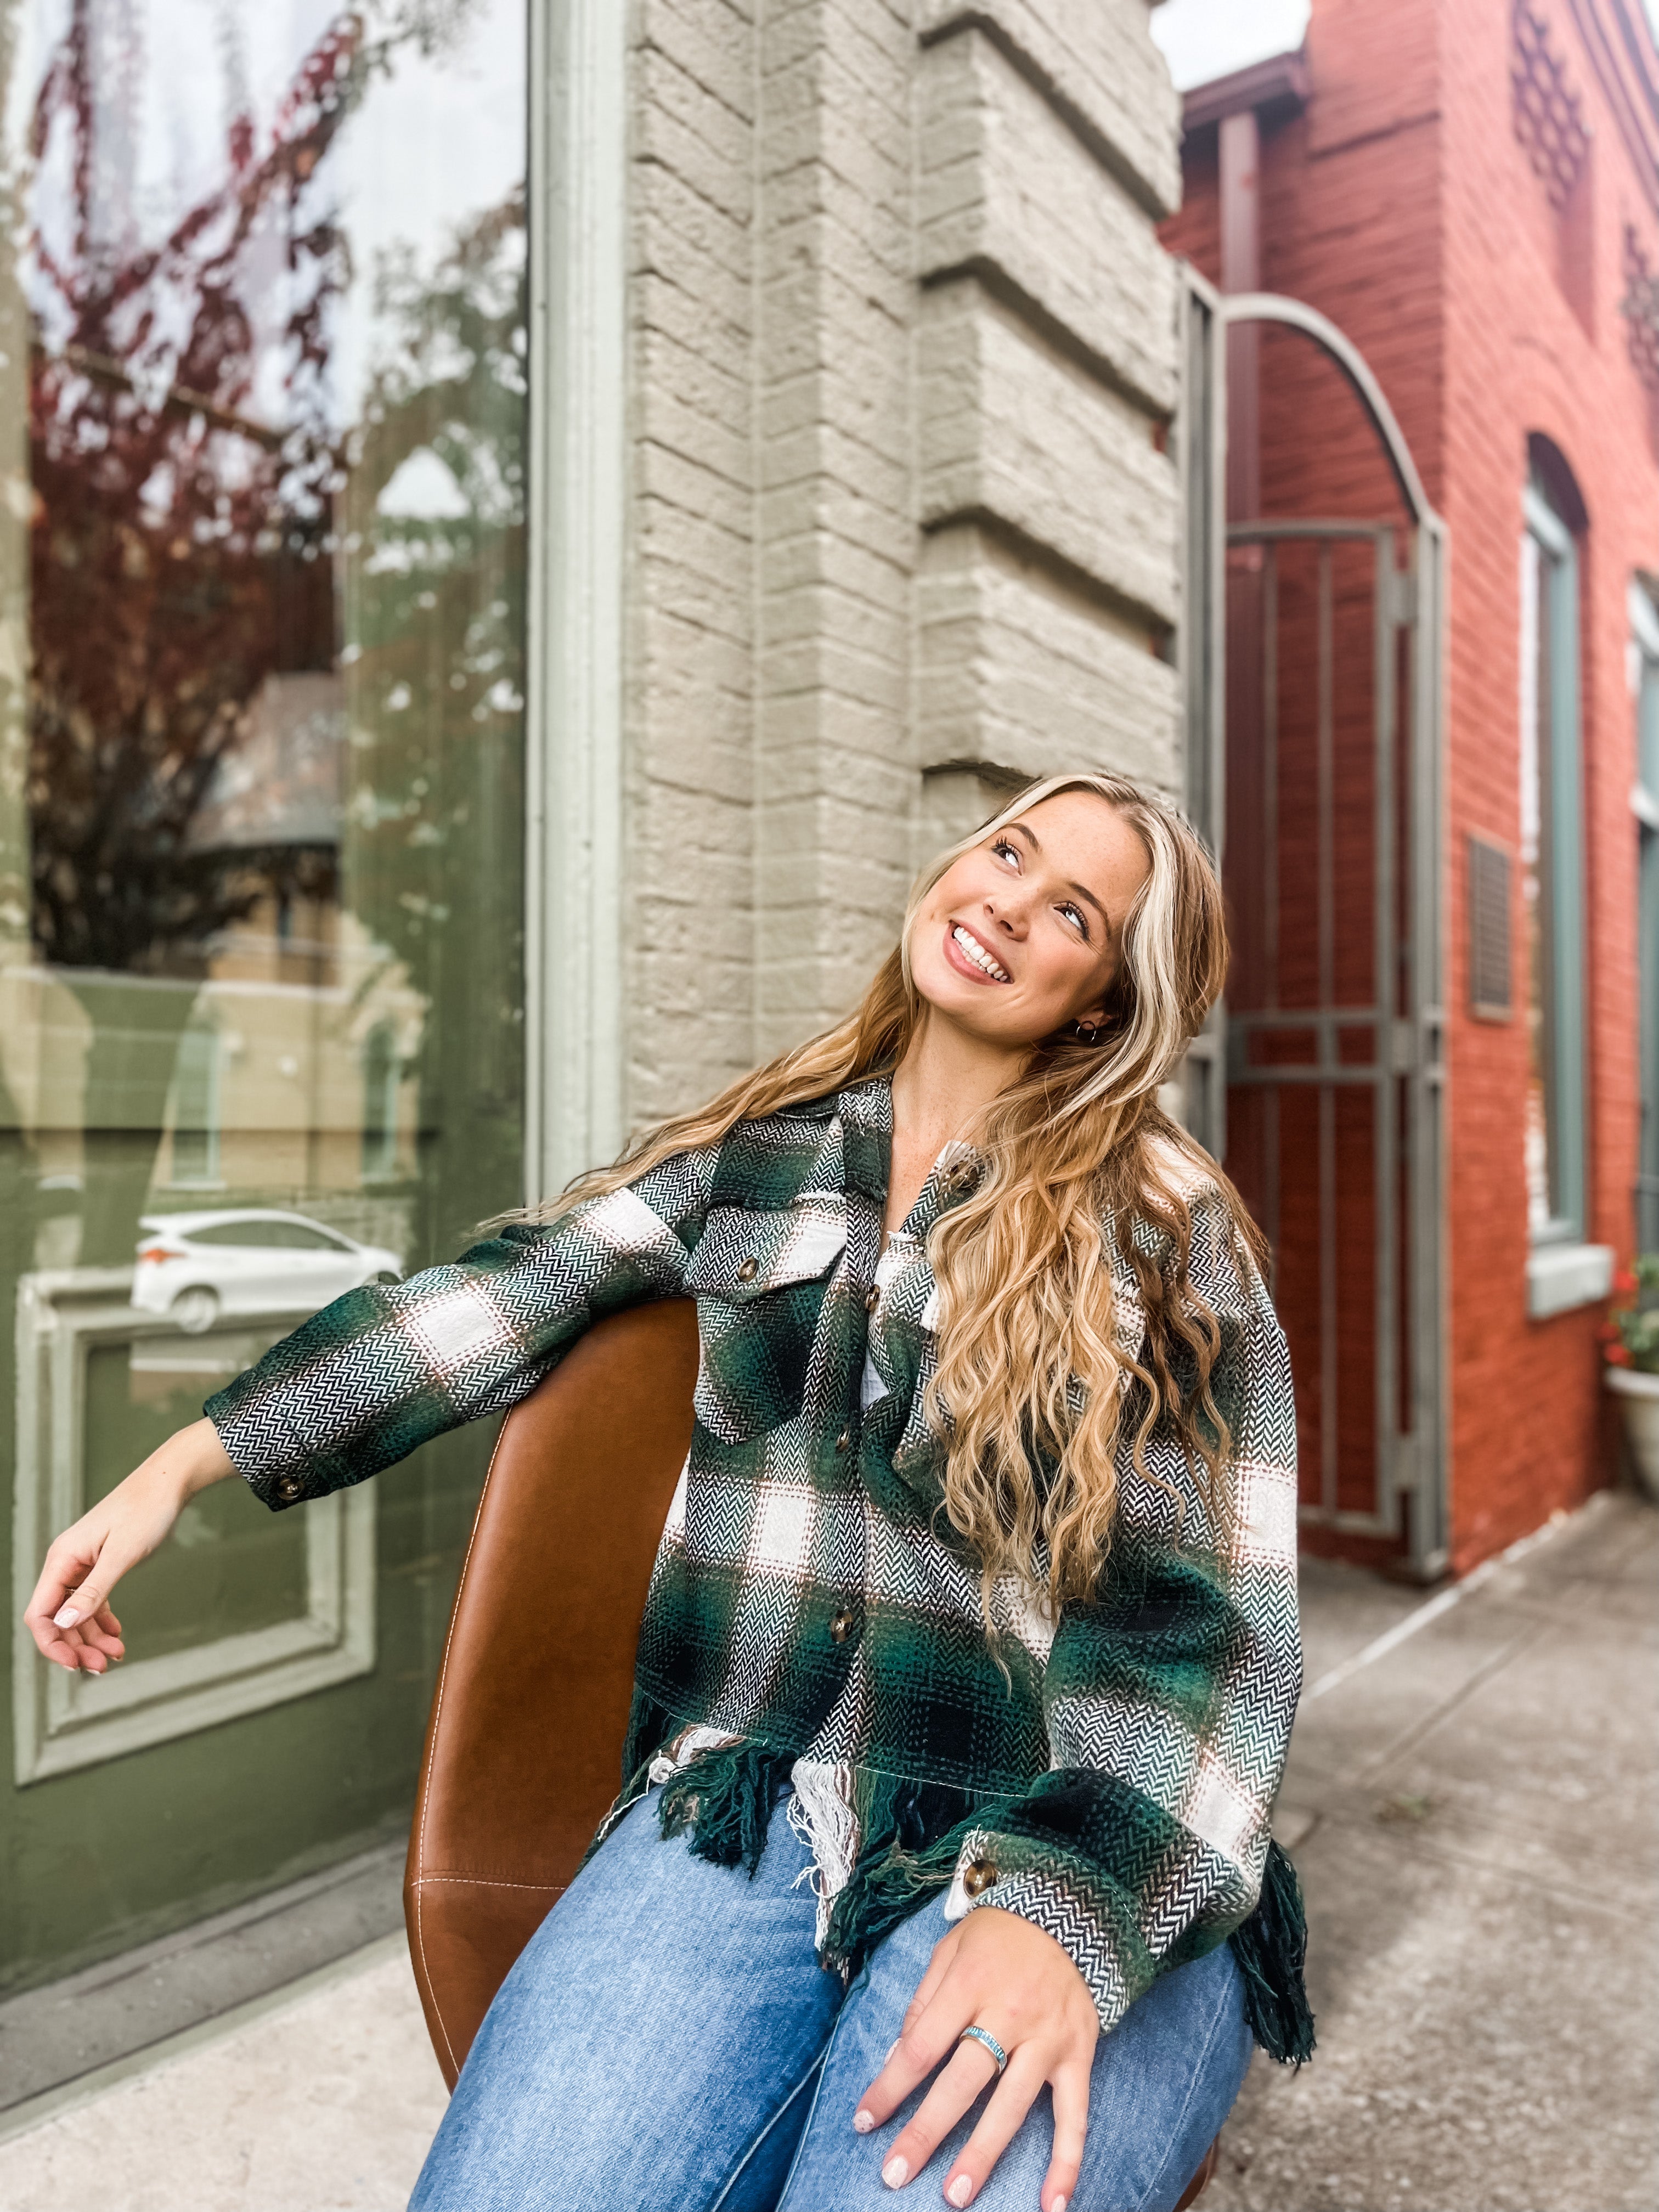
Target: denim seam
(759,2138)
(823,2068)
(1195,2077)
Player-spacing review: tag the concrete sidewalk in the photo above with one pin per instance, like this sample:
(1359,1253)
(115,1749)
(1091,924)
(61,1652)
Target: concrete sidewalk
(1471,1801)
(324,2104)
(1472,1813)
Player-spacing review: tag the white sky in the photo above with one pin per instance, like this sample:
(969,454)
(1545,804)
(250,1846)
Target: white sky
(1206,39)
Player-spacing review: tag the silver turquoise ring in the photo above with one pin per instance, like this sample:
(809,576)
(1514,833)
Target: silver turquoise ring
(984,2035)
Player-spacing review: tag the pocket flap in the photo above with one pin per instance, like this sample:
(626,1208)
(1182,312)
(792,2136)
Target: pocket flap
(744,1252)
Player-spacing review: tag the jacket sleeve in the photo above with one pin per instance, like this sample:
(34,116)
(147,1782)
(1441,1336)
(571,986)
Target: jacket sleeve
(1169,1698)
(385,1367)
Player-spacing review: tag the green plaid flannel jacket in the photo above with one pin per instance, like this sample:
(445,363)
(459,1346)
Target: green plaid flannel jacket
(1118,1776)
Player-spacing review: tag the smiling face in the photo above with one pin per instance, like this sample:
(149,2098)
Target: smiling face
(1023,932)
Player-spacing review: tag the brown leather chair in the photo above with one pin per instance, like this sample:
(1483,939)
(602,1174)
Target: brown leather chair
(524,1743)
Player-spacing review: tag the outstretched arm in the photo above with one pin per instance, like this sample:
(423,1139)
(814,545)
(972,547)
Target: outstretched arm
(379,1371)
(386,1368)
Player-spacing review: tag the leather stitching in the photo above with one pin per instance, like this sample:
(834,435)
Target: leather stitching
(485,1881)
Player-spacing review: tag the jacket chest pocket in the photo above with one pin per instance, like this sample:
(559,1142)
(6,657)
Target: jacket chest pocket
(759,1279)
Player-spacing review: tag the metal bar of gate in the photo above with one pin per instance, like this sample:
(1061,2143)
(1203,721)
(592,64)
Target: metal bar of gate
(1385,989)
(1429,1320)
(1265,533)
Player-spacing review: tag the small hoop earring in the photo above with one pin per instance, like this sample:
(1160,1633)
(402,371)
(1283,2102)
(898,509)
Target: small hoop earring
(1088,1032)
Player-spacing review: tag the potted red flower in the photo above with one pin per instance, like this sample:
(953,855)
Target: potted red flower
(1630,1343)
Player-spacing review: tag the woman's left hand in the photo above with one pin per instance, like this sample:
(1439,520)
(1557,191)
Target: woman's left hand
(1001,1973)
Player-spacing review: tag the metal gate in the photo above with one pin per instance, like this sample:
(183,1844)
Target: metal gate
(1312,657)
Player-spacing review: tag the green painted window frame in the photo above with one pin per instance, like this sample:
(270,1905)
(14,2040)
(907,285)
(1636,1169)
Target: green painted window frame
(1561,866)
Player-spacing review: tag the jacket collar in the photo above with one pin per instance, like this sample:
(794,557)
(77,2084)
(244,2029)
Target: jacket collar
(865,1111)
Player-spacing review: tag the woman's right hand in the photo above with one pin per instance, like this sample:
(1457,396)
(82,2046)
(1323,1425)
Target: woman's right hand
(69,1616)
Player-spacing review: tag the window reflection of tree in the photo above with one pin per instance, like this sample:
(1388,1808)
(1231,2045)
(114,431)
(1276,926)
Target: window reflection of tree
(183,534)
(435,623)
(199,547)
(186,539)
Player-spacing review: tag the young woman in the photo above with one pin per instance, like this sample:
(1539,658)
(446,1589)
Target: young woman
(971,1652)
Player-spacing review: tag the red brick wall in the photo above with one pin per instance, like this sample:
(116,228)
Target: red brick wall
(1528,1431)
(1402,204)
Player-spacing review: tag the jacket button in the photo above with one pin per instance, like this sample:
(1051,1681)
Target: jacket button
(844,1442)
(841,1627)
(959,1178)
(871,1300)
(289,1487)
(979,1877)
(750,1269)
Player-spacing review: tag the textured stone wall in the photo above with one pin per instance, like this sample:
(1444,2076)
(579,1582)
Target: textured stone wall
(902,523)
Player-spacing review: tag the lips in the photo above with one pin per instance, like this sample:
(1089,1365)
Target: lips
(970,957)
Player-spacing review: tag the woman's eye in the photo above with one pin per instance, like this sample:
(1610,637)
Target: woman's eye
(1003,850)
(1076,914)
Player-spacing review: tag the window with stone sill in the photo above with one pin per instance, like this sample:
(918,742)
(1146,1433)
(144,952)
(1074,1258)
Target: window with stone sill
(1564,1270)
(1644,805)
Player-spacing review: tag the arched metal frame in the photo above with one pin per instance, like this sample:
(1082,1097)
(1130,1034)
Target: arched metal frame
(1296,315)
(1413,1468)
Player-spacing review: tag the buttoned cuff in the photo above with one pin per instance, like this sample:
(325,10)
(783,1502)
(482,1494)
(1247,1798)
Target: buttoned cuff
(1062,1893)
(278,1488)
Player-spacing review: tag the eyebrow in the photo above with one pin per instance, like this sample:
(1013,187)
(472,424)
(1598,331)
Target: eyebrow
(1082,890)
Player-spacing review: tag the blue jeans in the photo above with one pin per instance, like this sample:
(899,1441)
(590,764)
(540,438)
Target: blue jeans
(668,2043)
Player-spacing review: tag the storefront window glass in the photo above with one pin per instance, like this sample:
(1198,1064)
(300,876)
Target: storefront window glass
(263,359)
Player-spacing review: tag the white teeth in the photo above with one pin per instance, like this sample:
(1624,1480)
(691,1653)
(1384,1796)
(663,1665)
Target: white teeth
(976,952)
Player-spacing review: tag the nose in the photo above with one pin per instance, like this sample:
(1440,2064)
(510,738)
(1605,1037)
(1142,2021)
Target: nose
(1008,912)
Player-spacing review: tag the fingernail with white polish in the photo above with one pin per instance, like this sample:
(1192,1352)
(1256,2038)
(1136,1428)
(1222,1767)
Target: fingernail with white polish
(66,1617)
(1058,2204)
(961,2190)
(892,2047)
(894,2173)
(862,2121)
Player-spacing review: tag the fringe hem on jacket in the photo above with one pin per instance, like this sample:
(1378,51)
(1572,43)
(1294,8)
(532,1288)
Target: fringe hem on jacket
(723,1797)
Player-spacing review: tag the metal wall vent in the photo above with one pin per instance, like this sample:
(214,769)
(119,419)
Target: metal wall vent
(1488,930)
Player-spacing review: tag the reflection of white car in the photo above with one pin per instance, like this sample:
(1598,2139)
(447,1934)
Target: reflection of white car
(196,1265)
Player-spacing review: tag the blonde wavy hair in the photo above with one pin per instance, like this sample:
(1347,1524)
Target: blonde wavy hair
(1028,1396)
